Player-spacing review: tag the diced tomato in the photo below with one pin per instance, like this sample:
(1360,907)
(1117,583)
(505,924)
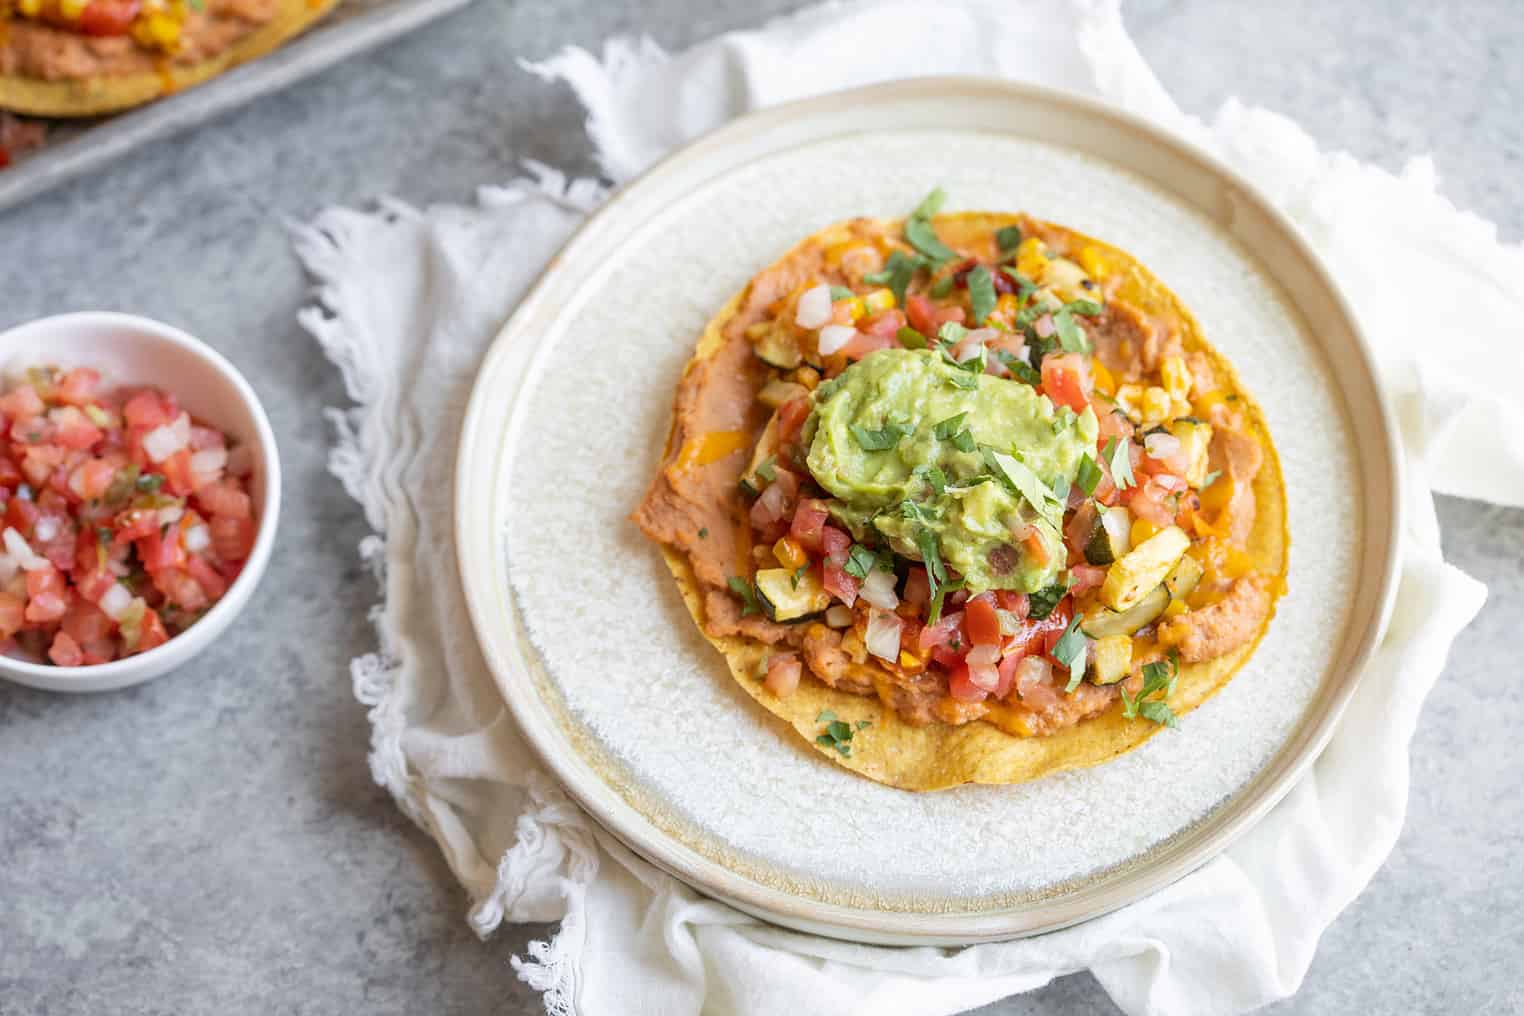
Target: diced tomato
(148,410)
(927,317)
(73,429)
(177,474)
(1112,424)
(78,386)
(21,515)
(159,553)
(92,479)
(86,623)
(838,583)
(22,403)
(783,670)
(1079,527)
(791,417)
(1016,603)
(47,595)
(981,622)
(93,584)
(153,632)
(1007,670)
(948,628)
(835,543)
(961,686)
(10,475)
(207,577)
(1033,631)
(808,524)
(65,651)
(108,17)
(885,323)
(136,523)
(12,614)
(1152,501)
(180,589)
(232,539)
(1066,380)
(861,344)
(917,587)
(1084,577)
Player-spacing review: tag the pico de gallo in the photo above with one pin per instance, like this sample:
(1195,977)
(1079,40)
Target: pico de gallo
(124,518)
(154,25)
(989,488)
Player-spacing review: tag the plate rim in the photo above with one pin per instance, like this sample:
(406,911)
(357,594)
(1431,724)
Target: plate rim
(1248,803)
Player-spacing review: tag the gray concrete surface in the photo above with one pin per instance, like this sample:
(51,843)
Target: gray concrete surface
(212,842)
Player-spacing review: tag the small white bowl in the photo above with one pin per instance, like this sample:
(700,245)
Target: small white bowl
(131,350)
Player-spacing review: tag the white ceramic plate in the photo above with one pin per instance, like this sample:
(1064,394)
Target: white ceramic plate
(637,715)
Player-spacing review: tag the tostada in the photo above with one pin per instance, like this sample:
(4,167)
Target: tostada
(74,58)
(968,498)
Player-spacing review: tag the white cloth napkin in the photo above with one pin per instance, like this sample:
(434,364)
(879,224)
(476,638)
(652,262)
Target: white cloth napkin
(407,302)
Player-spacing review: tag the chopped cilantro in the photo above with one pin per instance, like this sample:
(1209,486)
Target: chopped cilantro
(1088,475)
(919,231)
(878,440)
(798,574)
(1089,308)
(1008,238)
(1020,369)
(910,338)
(748,595)
(1070,335)
(942,287)
(704,533)
(1158,678)
(841,293)
(933,476)
(1041,603)
(863,724)
(860,561)
(963,440)
(948,427)
(951,333)
(936,572)
(838,733)
(967,380)
(897,273)
(917,512)
(1210,478)
(767,471)
(981,293)
(1119,457)
(149,483)
(1018,478)
(1071,650)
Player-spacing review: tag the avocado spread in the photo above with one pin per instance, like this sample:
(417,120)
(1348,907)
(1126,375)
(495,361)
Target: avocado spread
(922,451)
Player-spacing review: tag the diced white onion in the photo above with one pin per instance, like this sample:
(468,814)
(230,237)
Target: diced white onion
(8,568)
(878,590)
(170,514)
(983,656)
(833,337)
(1010,624)
(838,616)
(115,601)
(1161,446)
(198,538)
(984,676)
(814,309)
(883,635)
(45,529)
(1033,670)
(240,460)
(1044,326)
(208,461)
(163,441)
(18,548)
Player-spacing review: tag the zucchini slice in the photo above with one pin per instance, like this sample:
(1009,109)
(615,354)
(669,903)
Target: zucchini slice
(784,600)
(1110,536)
(1101,623)
(1183,578)
(777,348)
(1112,659)
(1136,573)
(777,391)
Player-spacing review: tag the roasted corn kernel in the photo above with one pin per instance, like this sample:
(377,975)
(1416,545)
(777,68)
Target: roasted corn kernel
(879,300)
(1176,376)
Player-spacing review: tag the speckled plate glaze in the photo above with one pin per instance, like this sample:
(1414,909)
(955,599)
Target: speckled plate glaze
(635,712)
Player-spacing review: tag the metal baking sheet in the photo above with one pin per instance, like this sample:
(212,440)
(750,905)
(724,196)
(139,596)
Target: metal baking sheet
(74,148)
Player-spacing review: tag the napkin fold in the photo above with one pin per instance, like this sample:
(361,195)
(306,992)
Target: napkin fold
(407,301)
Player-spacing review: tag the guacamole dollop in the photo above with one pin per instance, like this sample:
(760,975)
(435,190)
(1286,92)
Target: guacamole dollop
(910,444)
